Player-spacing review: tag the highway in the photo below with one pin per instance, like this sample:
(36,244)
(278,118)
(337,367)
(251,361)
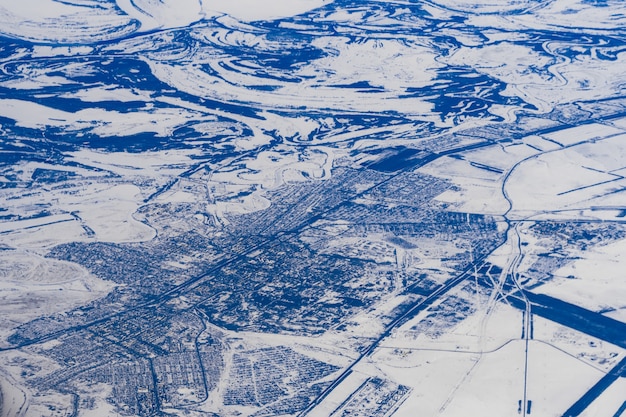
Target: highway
(417,307)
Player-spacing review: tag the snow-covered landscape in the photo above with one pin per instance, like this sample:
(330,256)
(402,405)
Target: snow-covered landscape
(312,208)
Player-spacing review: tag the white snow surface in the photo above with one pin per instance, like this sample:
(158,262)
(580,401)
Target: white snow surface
(50,21)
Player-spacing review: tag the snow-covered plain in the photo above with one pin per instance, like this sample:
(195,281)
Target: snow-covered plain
(312,208)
